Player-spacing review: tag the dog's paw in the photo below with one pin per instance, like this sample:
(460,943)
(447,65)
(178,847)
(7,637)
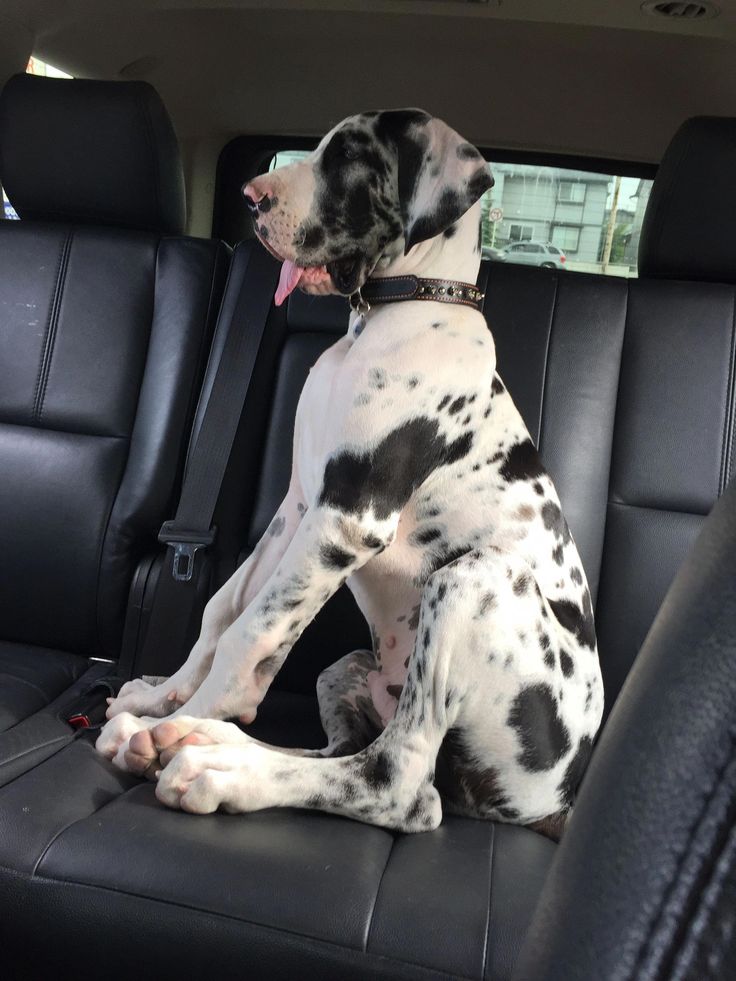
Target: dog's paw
(139,697)
(201,779)
(113,740)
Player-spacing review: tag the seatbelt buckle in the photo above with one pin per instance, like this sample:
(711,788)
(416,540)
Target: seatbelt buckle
(79,721)
(186,544)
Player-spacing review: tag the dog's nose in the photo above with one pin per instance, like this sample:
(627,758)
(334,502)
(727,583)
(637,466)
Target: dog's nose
(256,199)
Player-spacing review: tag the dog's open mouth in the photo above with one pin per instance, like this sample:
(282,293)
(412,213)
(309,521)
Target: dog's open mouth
(293,276)
(340,274)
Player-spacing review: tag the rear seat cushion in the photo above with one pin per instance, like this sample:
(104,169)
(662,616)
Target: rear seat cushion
(277,894)
(31,678)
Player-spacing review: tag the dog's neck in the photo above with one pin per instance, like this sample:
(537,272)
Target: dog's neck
(454,257)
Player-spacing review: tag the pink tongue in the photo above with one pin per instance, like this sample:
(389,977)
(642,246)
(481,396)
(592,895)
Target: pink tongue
(288,281)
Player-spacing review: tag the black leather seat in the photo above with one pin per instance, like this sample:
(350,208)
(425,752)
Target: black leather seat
(106,316)
(629,389)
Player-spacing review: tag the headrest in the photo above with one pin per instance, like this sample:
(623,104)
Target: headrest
(90,152)
(688,229)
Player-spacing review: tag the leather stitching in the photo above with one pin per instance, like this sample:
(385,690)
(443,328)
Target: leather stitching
(378,893)
(50,336)
(486,938)
(684,855)
(730,422)
(714,953)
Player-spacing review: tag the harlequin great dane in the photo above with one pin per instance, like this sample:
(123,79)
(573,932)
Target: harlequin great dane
(414,481)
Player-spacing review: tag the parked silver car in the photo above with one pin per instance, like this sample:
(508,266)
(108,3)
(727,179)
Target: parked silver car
(535,254)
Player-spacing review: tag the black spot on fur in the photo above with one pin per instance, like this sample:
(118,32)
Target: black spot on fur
(466,783)
(334,557)
(542,733)
(577,621)
(385,478)
(522,462)
(371,541)
(575,772)
(378,770)
(576,575)
(466,151)
(457,405)
(521,584)
(497,386)
(445,401)
(414,618)
(449,232)
(266,667)
(423,536)
(558,554)
(538,489)
(555,522)
(566,664)
(549,659)
(313,237)
(395,690)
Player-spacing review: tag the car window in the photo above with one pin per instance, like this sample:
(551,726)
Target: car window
(34,67)
(572,219)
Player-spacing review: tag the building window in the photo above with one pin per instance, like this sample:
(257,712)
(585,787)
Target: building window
(521,233)
(571,192)
(566,237)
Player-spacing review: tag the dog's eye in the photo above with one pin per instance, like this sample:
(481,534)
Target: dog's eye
(350,153)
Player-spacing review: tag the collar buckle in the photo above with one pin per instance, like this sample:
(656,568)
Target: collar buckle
(358,304)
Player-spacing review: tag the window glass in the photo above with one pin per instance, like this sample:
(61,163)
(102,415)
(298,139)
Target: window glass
(592,220)
(34,67)
(573,219)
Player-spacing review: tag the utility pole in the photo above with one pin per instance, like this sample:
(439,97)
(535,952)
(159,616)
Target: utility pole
(611,224)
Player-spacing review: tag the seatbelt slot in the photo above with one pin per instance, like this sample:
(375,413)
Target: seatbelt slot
(185,543)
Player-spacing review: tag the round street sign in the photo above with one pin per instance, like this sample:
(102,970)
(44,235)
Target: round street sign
(495,214)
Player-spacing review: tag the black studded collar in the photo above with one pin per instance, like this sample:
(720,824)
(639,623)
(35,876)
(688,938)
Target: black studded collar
(393,289)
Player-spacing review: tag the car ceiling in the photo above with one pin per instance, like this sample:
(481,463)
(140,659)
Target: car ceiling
(588,77)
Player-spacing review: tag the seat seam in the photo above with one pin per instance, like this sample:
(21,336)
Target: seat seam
(63,432)
(66,740)
(30,684)
(435,972)
(487,937)
(684,855)
(656,507)
(378,892)
(728,428)
(54,838)
(50,329)
(687,935)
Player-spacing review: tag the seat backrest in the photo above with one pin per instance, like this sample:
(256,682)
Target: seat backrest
(627,386)
(106,314)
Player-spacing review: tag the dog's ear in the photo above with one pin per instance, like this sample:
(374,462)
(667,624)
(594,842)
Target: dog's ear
(440,174)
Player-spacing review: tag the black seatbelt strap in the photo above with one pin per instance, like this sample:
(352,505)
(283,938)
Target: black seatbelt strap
(180,582)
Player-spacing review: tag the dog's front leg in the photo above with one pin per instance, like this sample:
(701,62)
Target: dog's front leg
(140,698)
(327,548)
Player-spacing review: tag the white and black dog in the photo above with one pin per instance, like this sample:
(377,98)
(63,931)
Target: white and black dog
(415,481)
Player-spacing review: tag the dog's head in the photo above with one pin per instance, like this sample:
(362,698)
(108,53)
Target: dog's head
(377,185)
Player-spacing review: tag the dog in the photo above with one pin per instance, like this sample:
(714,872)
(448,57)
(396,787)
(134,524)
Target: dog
(414,481)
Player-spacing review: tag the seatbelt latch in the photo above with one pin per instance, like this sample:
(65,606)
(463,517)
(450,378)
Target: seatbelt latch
(186,544)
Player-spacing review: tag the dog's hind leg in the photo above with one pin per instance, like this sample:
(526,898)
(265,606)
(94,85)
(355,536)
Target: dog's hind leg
(494,676)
